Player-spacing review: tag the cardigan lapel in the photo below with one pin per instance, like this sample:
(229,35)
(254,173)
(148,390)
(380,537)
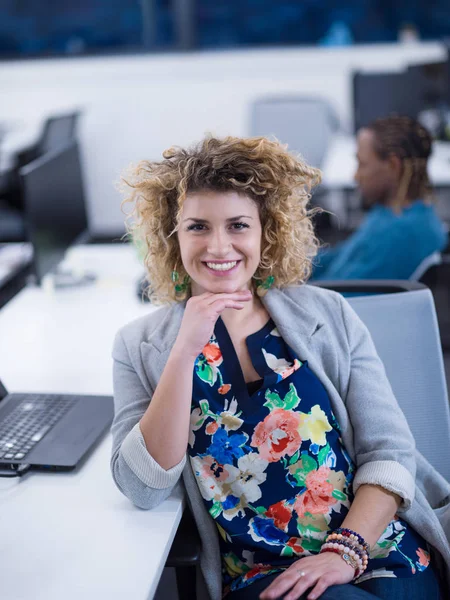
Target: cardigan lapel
(164,335)
(297,322)
(156,349)
(304,330)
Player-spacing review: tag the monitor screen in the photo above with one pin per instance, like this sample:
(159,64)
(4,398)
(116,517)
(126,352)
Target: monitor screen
(55,208)
(430,83)
(378,95)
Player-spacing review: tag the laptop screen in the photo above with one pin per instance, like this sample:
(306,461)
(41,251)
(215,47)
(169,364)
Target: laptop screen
(55,209)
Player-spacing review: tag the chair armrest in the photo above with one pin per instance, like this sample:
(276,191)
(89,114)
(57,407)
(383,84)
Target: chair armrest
(371,286)
(186,546)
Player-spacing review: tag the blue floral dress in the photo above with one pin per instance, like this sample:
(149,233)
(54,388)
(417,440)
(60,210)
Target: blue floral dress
(271,466)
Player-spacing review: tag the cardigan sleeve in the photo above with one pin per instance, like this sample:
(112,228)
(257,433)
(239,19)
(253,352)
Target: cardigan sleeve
(134,470)
(384,444)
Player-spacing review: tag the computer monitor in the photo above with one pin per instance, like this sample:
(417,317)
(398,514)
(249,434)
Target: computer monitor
(430,82)
(378,95)
(55,209)
(58,131)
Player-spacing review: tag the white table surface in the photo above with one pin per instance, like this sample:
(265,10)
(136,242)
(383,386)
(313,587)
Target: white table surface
(72,536)
(339,165)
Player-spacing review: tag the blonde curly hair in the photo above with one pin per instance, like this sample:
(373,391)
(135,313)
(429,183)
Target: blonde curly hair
(278,181)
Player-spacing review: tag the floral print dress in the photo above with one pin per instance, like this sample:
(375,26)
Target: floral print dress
(270,463)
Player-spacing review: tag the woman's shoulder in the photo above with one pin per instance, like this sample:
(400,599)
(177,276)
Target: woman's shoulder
(313,297)
(306,306)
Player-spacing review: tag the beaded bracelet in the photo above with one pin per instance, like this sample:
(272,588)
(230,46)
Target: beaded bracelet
(351,546)
(352,542)
(361,557)
(343,549)
(349,533)
(349,539)
(350,560)
(356,548)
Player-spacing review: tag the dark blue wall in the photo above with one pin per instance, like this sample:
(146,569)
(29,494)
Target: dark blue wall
(58,27)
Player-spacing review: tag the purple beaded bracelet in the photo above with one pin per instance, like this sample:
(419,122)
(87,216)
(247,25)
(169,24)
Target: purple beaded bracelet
(361,540)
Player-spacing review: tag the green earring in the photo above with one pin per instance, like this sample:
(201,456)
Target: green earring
(263,286)
(180,288)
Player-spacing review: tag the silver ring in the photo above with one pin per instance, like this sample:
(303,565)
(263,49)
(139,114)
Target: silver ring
(302,573)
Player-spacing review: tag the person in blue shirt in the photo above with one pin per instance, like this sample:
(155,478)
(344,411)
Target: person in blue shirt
(402,227)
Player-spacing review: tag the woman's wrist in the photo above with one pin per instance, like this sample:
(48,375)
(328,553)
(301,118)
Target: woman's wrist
(350,546)
(181,355)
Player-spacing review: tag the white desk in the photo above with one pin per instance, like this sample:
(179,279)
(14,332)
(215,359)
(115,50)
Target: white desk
(72,536)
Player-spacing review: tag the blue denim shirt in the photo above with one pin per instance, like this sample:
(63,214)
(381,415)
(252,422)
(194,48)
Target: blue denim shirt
(386,246)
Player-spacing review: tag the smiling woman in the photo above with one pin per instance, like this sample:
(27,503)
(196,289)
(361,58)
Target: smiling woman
(273,407)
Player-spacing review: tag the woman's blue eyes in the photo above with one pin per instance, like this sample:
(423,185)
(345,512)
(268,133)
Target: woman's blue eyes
(239,226)
(201,227)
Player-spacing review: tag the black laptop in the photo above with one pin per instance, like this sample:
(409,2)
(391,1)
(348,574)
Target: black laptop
(50,431)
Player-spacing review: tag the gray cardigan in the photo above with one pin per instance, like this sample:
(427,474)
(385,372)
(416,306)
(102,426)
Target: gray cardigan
(322,328)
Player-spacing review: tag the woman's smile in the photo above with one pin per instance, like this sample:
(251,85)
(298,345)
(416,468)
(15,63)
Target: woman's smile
(222,268)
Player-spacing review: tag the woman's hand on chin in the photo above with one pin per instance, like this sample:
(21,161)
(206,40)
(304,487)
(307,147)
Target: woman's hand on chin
(200,317)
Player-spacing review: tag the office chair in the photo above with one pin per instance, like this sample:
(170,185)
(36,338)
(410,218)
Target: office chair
(401,318)
(184,556)
(405,331)
(429,261)
(305,123)
(437,278)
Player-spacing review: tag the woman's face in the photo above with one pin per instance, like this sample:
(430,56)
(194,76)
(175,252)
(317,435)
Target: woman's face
(220,241)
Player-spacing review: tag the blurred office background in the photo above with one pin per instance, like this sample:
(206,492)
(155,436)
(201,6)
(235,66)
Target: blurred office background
(128,78)
(148,74)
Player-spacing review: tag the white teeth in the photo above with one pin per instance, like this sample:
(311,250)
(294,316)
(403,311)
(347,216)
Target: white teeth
(222,266)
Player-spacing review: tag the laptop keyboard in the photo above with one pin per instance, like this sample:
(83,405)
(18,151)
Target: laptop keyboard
(29,421)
